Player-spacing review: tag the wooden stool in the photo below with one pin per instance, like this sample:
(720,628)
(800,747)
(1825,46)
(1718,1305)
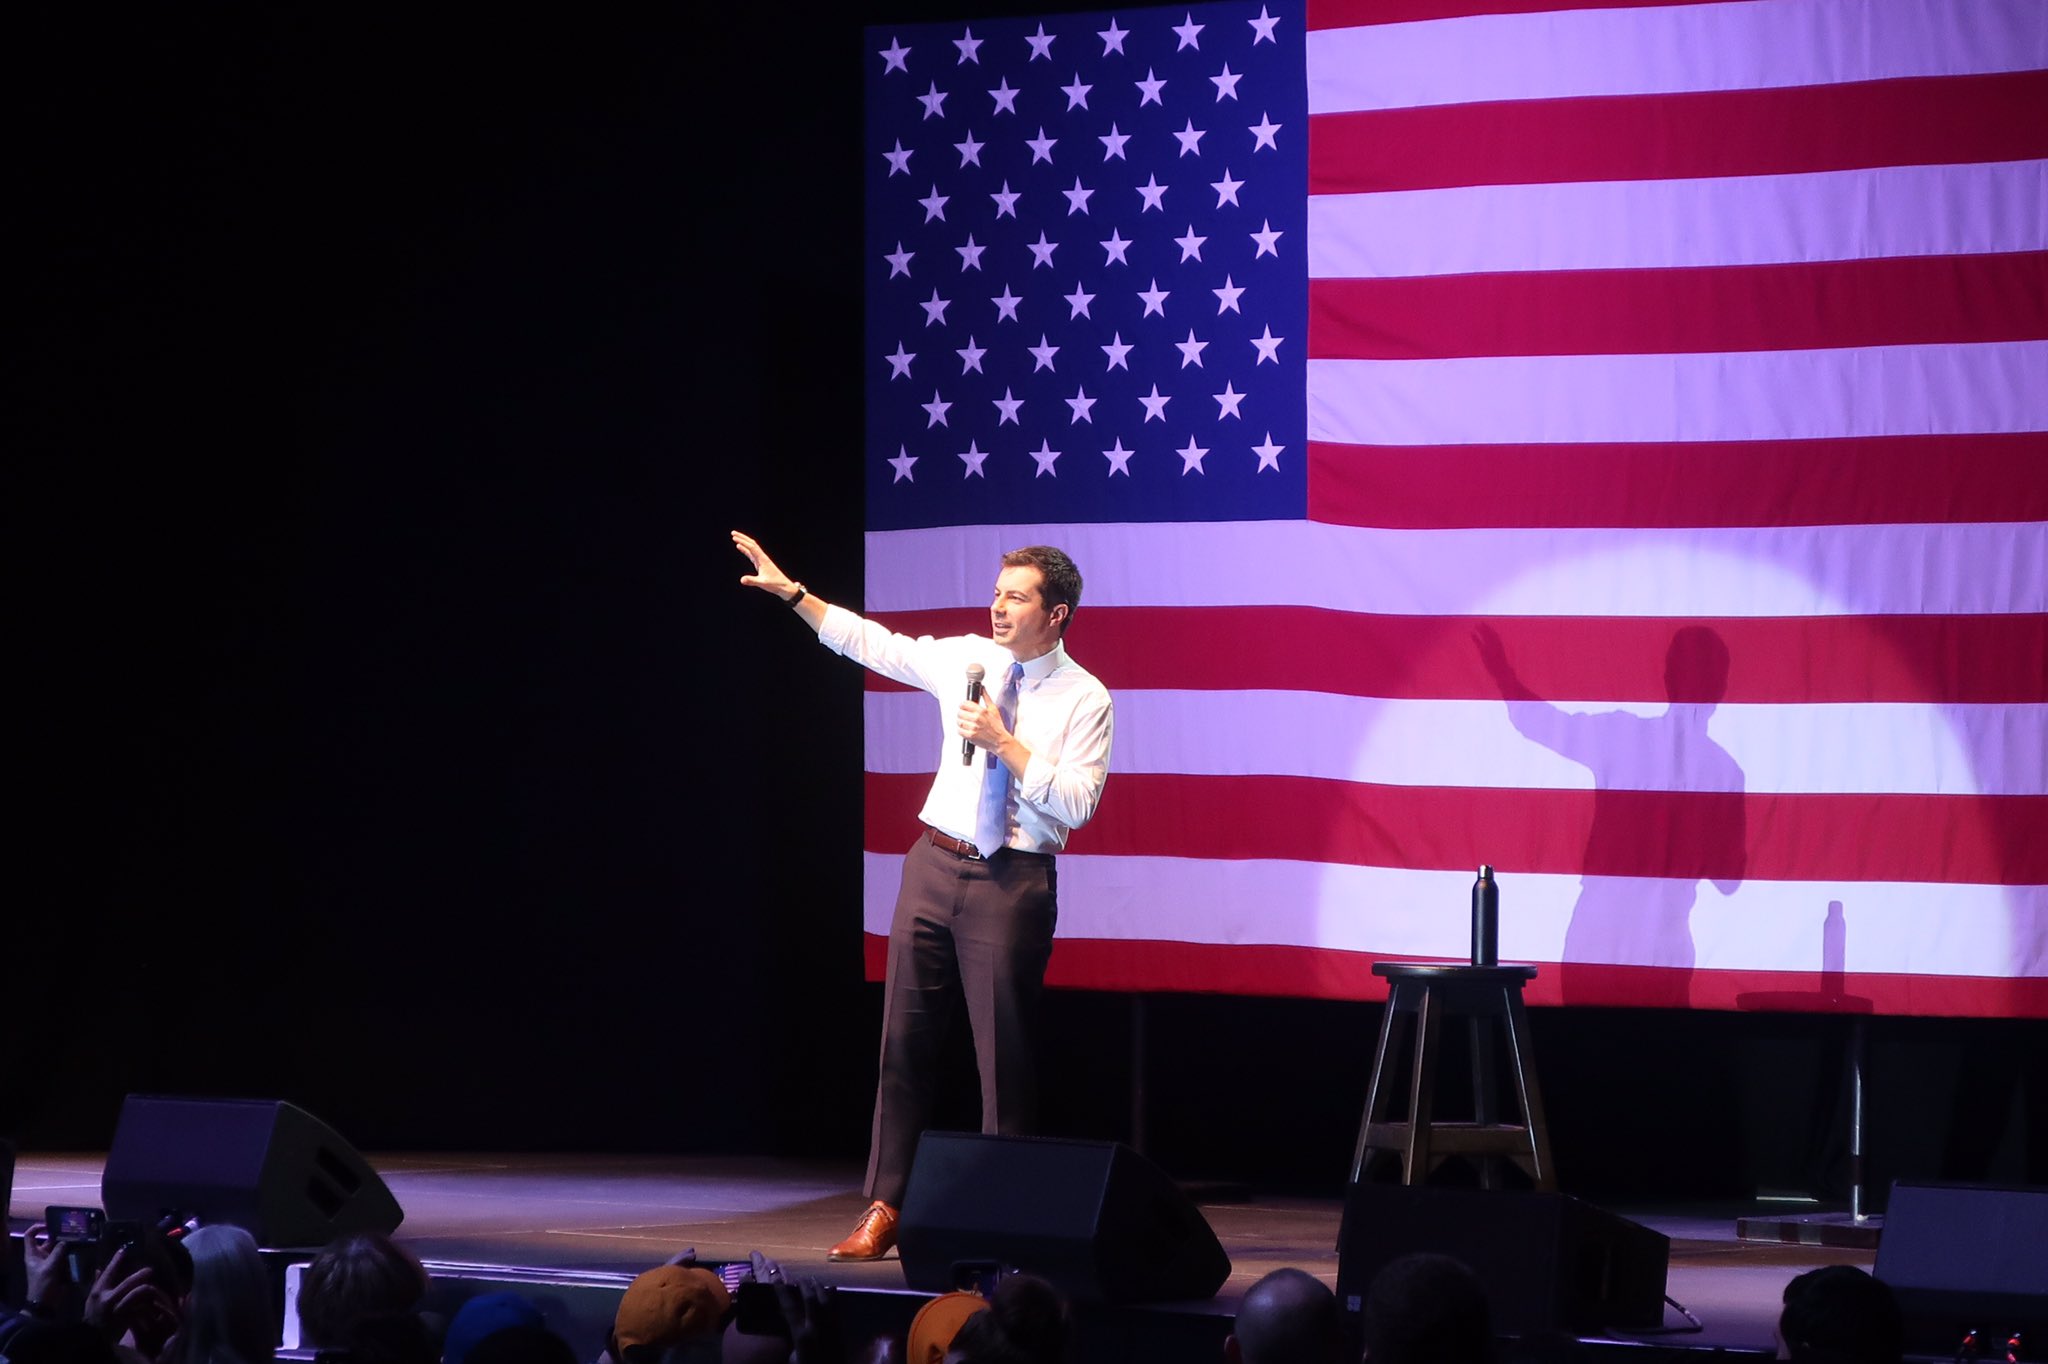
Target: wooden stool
(1481,994)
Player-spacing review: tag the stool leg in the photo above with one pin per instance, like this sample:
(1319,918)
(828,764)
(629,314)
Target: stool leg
(1529,1092)
(1377,1090)
(1421,1092)
(1481,1026)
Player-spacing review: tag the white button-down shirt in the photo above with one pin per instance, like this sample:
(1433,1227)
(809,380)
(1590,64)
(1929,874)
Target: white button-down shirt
(1064,716)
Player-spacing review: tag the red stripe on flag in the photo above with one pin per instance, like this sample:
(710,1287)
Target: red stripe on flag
(1845,481)
(1895,301)
(1930,659)
(1365,13)
(1719,836)
(1323,973)
(1920,121)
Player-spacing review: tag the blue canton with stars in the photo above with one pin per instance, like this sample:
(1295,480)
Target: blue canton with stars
(1086,286)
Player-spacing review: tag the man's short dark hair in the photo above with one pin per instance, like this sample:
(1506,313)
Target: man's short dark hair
(1061,580)
(1427,1309)
(1841,1315)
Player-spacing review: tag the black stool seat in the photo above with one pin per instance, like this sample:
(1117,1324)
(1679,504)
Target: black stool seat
(1485,996)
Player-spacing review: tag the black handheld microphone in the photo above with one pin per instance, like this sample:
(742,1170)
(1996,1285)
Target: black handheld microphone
(975,672)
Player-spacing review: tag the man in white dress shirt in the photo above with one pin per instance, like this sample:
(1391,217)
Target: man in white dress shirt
(974,920)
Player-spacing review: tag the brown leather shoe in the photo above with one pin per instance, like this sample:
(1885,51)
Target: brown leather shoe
(873,1236)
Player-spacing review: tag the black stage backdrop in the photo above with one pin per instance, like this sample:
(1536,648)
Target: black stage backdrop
(391,734)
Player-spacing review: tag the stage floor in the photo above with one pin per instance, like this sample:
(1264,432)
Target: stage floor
(624,1213)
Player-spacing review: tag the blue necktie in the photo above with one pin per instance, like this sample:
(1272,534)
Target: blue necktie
(991,819)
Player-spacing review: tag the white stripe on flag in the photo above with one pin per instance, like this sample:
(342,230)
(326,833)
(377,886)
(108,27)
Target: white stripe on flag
(1739,395)
(1763,926)
(1971,209)
(1668,49)
(1871,748)
(1716,571)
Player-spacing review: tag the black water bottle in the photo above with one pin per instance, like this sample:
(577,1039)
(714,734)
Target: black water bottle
(1485,919)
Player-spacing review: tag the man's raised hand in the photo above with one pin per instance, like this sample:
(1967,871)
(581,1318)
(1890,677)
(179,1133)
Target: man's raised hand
(766,575)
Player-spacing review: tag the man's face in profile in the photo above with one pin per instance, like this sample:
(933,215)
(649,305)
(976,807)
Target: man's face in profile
(1017,618)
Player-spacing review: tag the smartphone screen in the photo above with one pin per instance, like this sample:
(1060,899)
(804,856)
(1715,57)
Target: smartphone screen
(74,1224)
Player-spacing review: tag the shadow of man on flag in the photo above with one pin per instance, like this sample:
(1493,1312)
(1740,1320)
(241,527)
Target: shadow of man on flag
(1667,813)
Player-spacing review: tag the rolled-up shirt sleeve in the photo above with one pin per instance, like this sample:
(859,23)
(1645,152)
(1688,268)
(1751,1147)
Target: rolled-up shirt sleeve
(1066,783)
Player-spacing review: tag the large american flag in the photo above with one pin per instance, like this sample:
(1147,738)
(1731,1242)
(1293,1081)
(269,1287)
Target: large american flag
(1602,442)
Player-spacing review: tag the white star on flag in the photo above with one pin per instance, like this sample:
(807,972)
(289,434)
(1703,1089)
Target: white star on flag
(1227,401)
(972,457)
(899,363)
(1188,32)
(904,459)
(1269,454)
(1081,403)
(934,102)
(893,56)
(1191,458)
(935,411)
(1044,455)
(1119,459)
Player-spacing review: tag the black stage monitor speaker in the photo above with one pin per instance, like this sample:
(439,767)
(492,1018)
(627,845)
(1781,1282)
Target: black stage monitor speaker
(1548,1261)
(261,1164)
(1967,1257)
(1094,1218)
